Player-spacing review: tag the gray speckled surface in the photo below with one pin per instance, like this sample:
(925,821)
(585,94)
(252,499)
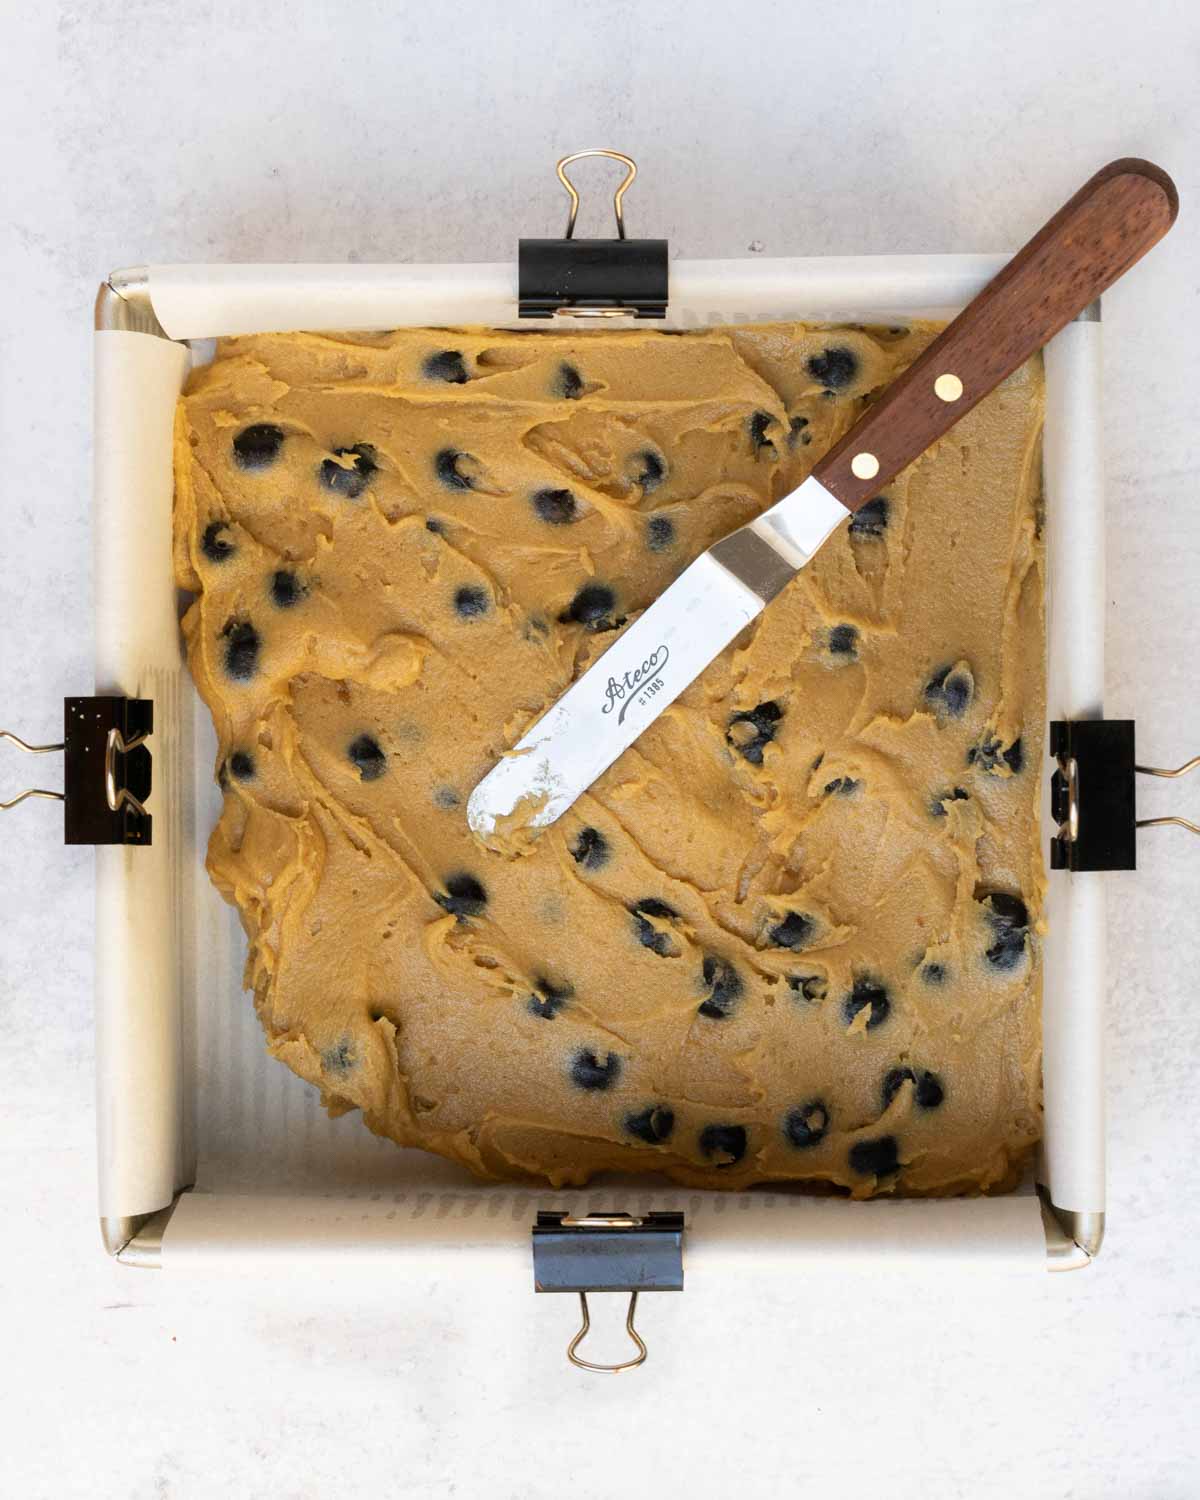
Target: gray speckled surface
(363,131)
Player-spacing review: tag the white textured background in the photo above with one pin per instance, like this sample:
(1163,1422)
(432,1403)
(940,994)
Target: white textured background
(245,131)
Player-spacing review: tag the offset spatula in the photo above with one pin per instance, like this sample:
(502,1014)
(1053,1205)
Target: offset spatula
(1108,225)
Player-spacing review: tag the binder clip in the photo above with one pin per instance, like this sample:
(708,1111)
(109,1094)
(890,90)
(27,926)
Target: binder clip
(615,1252)
(107,770)
(619,278)
(1092,795)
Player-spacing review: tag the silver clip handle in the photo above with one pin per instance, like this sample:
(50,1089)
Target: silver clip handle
(124,798)
(587,1364)
(626,183)
(1173,819)
(30,791)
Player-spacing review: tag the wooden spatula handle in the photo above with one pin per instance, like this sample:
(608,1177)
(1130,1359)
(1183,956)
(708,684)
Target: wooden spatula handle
(1108,225)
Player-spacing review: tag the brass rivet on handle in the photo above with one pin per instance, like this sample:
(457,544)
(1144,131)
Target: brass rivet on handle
(864,466)
(948,387)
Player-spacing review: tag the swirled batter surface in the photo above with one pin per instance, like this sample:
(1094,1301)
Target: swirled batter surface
(793,932)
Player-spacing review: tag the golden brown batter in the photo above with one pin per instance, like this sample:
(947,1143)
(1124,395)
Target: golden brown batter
(792,933)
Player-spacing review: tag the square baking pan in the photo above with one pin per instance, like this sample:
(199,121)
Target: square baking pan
(210,1154)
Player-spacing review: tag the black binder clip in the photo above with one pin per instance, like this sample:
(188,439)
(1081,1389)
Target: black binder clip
(615,1252)
(618,278)
(1092,795)
(107,770)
